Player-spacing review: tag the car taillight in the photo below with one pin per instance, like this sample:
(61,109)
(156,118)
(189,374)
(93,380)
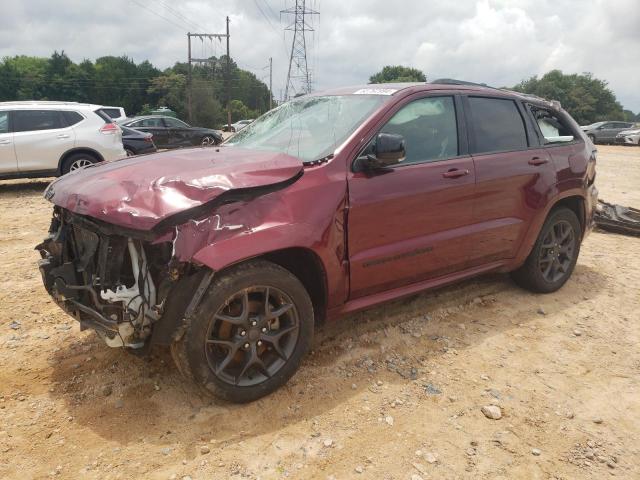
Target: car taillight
(149,139)
(109,129)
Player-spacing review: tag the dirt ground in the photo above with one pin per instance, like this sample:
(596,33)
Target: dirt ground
(391,393)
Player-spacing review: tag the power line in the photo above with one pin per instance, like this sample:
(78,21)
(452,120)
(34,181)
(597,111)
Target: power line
(181,27)
(184,18)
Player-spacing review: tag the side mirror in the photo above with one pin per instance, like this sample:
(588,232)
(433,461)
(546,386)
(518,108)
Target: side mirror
(388,150)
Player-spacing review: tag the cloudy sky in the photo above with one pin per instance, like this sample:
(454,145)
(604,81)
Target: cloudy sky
(498,42)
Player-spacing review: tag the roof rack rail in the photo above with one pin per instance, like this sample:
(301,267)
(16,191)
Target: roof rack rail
(453,81)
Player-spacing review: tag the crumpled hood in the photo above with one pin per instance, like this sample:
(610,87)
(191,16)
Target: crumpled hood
(140,192)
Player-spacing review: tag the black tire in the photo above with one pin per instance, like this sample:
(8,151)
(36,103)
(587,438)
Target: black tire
(592,138)
(77,160)
(208,141)
(215,353)
(130,153)
(542,275)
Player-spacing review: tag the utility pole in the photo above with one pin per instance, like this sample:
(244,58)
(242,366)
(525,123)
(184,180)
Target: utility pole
(202,36)
(228,78)
(189,87)
(270,83)
(298,78)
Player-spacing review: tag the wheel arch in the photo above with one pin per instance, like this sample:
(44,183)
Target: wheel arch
(73,151)
(574,200)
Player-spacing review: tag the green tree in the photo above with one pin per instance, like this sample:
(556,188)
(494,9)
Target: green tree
(398,73)
(586,98)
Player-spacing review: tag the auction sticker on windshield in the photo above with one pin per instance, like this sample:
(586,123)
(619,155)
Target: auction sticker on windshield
(375,91)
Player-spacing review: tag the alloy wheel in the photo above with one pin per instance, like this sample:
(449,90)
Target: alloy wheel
(557,251)
(208,141)
(80,163)
(252,336)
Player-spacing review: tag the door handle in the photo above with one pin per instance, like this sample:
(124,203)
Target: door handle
(535,161)
(63,135)
(455,173)
(5,142)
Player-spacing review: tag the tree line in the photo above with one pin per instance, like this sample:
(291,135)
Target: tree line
(585,97)
(137,87)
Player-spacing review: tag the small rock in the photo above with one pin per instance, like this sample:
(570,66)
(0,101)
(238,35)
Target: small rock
(415,476)
(379,383)
(430,457)
(611,464)
(107,390)
(328,443)
(359,469)
(491,411)
(119,403)
(577,332)
(541,311)
(354,386)
(156,387)
(536,452)
(204,449)
(15,325)
(166,451)
(432,389)
(597,420)
(389,420)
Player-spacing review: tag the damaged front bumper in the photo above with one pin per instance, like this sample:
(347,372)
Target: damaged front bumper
(113,281)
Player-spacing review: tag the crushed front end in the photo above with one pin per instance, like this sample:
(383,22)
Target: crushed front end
(113,281)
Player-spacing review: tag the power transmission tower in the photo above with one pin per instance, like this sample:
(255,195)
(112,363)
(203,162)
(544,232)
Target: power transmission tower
(202,36)
(298,77)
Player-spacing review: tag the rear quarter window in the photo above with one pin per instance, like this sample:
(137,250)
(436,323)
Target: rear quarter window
(112,112)
(71,118)
(497,125)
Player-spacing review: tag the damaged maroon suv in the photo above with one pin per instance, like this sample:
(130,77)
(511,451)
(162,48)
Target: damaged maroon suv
(328,204)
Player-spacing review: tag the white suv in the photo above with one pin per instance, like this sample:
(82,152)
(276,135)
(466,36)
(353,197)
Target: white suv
(42,139)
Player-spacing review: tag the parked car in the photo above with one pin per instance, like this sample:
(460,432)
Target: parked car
(629,137)
(169,132)
(605,132)
(114,113)
(136,143)
(328,204)
(44,139)
(236,127)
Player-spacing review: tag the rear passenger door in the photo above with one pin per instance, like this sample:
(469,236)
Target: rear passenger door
(155,126)
(41,137)
(514,176)
(8,163)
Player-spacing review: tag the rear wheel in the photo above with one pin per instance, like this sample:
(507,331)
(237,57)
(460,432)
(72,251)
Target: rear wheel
(249,334)
(554,255)
(76,161)
(130,153)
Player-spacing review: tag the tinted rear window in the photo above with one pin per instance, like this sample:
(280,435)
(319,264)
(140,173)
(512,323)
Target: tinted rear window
(33,120)
(497,125)
(4,122)
(72,117)
(112,112)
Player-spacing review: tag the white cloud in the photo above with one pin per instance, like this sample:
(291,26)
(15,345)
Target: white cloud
(499,42)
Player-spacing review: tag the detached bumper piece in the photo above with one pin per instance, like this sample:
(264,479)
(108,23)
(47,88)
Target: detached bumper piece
(618,219)
(104,280)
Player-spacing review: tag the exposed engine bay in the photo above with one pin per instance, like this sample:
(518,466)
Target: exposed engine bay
(114,284)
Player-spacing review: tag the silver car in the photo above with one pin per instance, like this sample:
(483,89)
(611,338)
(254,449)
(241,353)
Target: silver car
(605,132)
(629,137)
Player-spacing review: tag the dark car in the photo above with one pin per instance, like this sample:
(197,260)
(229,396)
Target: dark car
(328,204)
(605,132)
(169,132)
(136,142)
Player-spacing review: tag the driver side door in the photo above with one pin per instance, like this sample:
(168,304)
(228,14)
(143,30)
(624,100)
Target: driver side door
(409,223)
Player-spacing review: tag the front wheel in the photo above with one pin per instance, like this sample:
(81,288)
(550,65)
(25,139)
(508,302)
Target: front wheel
(554,255)
(249,334)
